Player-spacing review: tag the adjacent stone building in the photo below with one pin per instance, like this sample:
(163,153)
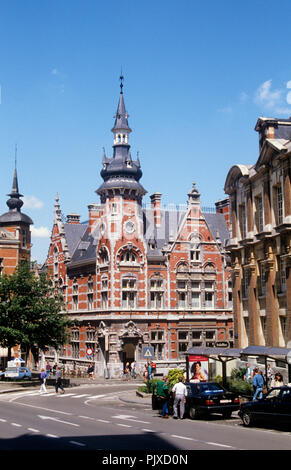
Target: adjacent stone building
(140,278)
(260,244)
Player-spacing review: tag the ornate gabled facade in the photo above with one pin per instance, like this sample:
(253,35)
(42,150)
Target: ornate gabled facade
(260,243)
(139,276)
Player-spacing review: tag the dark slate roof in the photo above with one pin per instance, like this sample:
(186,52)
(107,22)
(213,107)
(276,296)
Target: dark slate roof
(85,249)
(216,222)
(15,216)
(73,234)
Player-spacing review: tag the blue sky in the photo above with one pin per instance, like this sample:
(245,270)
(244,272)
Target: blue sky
(197,77)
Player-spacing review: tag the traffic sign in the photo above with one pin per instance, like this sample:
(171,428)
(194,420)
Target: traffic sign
(89,352)
(147,352)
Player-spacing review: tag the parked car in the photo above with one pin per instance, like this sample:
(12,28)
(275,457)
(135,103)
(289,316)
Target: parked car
(273,408)
(204,398)
(17,373)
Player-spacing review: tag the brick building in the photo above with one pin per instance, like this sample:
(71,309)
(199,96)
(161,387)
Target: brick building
(260,243)
(138,276)
(15,239)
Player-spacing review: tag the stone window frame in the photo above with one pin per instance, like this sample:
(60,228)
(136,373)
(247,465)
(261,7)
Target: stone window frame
(90,292)
(131,303)
(158,343)
(75,343)
(259,212)
(104,291)
(157,291)
(75,294)
(278,203)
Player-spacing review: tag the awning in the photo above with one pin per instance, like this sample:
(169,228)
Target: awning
(219,352)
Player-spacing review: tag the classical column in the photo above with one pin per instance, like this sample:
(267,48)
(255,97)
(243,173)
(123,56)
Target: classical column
(272,313)
(254,316)
(286,258)
(237,314)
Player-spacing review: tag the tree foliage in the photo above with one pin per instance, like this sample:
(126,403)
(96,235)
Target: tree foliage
(29,315)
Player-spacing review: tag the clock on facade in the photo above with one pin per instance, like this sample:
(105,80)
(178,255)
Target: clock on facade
(129,226)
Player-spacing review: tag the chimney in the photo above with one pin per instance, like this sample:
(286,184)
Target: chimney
(94,215)
(73,219)
(156,207)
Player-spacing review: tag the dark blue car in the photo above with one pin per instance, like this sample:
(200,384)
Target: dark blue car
(273,408)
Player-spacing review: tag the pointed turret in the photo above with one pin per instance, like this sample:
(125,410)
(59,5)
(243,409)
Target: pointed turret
(120,173)
(14,204)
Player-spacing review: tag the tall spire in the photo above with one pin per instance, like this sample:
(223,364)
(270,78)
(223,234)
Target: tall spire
(120,173)
(14,203)
(57,210)
(121,116)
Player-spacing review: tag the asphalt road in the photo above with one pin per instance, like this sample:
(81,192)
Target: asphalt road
(107,417)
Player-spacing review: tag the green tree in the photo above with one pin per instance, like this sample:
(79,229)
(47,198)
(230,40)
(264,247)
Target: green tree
(29,315)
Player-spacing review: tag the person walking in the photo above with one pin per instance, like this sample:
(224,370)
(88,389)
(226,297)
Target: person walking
(58,377)
(43,381)
(270,375)
(258,384)
(180,392)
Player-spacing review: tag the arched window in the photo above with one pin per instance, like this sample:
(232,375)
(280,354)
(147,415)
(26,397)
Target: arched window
(128,257)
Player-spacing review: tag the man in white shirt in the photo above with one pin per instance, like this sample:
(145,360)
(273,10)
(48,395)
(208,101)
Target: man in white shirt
(180,393)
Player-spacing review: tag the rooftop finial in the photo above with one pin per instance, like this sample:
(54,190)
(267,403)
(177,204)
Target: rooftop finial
(121,78)
(15,156)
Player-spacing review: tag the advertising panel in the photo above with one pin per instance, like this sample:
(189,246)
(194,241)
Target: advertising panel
(198,368)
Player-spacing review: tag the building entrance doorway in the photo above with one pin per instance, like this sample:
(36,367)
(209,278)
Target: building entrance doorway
(128,353)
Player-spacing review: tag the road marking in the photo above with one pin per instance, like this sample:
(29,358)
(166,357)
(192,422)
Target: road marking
(58,420)
(17,425)
(77,443)
(130,418)
(86,417)
(183,437)
(148,430)
(97,396)
(52,435)
(102,421)
(124,425)
(33,430)
(80,396)
(217,444)
(3,420)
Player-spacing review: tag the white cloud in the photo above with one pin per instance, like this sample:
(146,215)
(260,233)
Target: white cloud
(266,97)
(55,71)
(41,232)
(32,202)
